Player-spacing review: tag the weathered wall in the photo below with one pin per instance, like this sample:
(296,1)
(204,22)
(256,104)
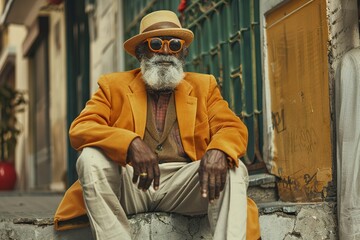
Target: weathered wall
(57,74)
(266,6)
(342,36)
(298,80)
(16,36)
(106,33)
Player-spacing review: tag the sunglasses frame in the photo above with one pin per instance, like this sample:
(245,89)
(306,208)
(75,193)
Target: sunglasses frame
(163,41)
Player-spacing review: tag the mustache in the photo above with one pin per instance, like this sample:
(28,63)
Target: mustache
(160,59)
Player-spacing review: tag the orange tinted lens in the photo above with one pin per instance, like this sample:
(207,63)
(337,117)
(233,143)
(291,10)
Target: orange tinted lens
(155,44)
(175,45)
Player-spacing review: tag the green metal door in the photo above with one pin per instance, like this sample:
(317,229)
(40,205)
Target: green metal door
(227,45)
(77,46)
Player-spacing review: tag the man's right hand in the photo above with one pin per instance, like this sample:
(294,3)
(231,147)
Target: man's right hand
(145,164)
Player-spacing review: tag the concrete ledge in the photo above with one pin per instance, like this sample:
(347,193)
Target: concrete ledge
(261,179)
(289,221)
(29,217)
(262,188)
(159,226)
(13,231)
(278,220)
(164,226)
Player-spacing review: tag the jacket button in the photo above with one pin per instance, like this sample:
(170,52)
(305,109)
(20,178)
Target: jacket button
(159,147)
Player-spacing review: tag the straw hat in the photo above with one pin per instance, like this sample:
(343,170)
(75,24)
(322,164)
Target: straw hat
(159,23)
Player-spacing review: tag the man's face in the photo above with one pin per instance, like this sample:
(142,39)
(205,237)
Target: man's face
(162,63)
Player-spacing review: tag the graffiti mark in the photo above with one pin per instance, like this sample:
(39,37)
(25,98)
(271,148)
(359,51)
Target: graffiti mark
(278,121)
(290,183)
(302,139)
(308,178)
(308,187)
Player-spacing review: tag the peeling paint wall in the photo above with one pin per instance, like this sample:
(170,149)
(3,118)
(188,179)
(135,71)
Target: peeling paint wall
(298,81)
(343,35)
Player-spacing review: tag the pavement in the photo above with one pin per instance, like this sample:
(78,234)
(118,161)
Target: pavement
(28,206)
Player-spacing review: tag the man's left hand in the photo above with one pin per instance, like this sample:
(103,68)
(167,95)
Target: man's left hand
(212,172)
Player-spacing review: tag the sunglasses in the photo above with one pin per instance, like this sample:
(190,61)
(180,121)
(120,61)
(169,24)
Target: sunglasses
(156,44)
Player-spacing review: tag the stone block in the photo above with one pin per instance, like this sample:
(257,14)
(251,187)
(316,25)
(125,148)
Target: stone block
(163,226)
(274,226)
(298,221)
(316,222)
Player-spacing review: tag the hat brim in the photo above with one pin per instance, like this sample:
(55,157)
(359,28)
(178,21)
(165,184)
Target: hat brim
(182,33)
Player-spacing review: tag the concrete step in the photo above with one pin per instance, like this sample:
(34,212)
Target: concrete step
(300,221)
(30,217)
(262,188)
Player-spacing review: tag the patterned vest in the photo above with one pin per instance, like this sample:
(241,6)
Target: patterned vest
(167,145)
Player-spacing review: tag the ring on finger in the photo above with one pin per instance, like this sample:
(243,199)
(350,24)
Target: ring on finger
(144,174)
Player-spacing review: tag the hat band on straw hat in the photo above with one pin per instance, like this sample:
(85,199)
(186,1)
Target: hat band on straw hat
(161,25)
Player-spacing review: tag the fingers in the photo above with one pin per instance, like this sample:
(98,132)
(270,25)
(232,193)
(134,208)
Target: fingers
(217,186)
(145,164)
(156,176)
(204,184)
(223,181)
(142,180)
(145,177)
(212,188)
(212,173)
(135,175)
(149,179)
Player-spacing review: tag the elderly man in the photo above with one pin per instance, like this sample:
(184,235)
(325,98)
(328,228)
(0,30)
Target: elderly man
(142,134)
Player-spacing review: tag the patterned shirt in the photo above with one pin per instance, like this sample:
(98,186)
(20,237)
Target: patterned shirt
(160,102)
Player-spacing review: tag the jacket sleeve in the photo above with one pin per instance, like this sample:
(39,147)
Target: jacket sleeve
(93,127)
(228,132)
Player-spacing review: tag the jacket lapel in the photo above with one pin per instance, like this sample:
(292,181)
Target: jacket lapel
(186,113)
(138,102)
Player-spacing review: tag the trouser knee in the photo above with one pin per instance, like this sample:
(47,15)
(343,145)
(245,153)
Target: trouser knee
(240,174)
(91,159)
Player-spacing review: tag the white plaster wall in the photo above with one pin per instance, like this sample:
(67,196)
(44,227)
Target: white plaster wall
(343,35)
(16,36)
(266,6)
(105,26)
(57,96)
(120,38)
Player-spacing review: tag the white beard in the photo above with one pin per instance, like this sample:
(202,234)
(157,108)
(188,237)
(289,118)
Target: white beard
(159,77)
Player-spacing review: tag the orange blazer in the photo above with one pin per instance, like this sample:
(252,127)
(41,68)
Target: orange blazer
(116,114)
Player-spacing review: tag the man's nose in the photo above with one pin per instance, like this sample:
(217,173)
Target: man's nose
(165,49)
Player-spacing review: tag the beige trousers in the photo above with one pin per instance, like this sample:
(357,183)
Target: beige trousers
(110,196)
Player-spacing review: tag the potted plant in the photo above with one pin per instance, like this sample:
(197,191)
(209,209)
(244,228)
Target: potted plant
(11,102)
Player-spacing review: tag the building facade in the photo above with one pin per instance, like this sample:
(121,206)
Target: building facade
(274,60)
